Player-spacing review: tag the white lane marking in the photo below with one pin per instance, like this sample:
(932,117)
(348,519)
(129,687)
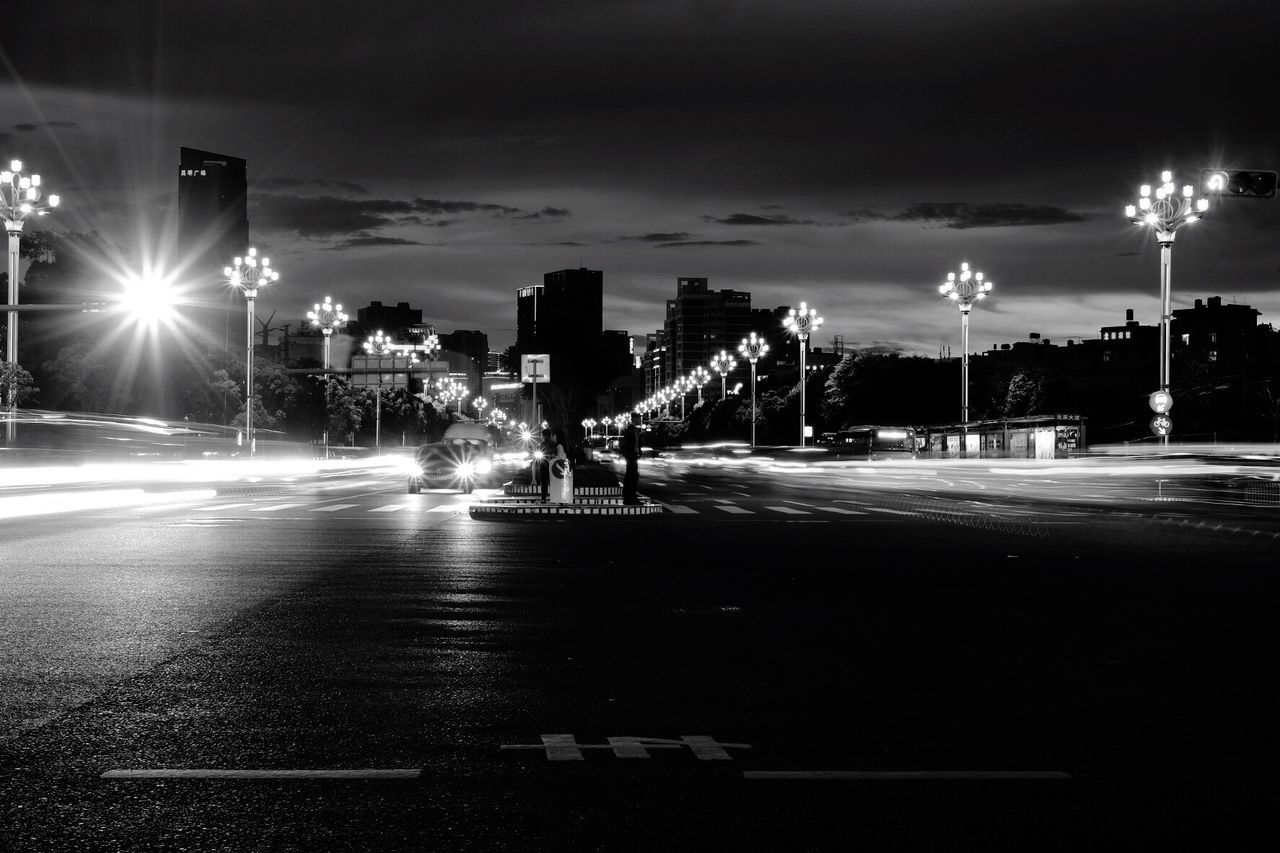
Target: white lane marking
(786,510)
(841,510)
(890,511)
(855,503)
(389,508)
(334,508)
(949,775)
(165,773)
(223,506)
(734,509)
(275,507)
(681,510)
(448,508)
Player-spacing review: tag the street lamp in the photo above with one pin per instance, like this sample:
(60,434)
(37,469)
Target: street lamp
(20,197)
(1167,212)
(378,345)
(699,377)
(248,274)
(964,290)
(607,422)
(801,323)
(752,349)
(327,317)
(723,363)
(480,403)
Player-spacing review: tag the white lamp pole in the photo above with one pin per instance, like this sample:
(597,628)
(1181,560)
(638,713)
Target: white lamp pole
(20,197)
(327,317)
(752,349)
(964,290)
(1168,211)
(378,345)
(801,323)
(723,363)
(248,274)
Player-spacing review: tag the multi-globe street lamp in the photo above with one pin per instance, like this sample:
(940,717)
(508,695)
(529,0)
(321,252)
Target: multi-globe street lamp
(479,403)
(800,323)
(723,363)
(606,422)
(753,348)
(327,317)
(21,196)
(379,346)
(1168,211)
(965,289)
(248,274)
(699,377)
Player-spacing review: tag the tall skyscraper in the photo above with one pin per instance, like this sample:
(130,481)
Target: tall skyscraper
(700,322)
(563,317)
(213,228)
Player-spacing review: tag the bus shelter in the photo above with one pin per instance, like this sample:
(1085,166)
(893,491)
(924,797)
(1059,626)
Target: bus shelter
(1032,437)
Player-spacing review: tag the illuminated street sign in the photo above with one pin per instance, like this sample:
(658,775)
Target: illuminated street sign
(1160,401)
(1161,425)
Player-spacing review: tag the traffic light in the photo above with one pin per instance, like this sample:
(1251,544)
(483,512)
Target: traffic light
(1239,183)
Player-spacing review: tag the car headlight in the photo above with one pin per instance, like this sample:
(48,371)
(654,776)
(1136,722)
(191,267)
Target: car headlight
(483,466)
(466,469)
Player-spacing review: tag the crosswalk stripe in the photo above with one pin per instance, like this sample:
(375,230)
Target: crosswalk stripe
(389,508)
(223,506)
(786,510)
(334,508)
(841,510)
(737,510)
(446,508)
(680,509)
(275,507)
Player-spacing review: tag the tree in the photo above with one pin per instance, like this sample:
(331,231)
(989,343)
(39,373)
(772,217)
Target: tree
(17,388)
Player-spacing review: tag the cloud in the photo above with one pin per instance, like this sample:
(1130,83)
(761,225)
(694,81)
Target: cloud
(28,127)
(675,245)
(302,183)
(756,219)
(323,216)
(659,237)
(319,216)
(962,215)
(436,207)
(362,241)
(548,212)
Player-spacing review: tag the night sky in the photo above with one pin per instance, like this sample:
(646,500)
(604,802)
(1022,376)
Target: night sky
(848,153)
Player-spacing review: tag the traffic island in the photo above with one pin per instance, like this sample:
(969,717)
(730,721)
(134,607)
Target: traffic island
(596,492)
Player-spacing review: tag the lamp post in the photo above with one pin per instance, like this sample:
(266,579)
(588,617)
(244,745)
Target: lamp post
(378,345)
(327,317)
(723,363)
(480,403)
(699,377)
(964,290)
(248,274)
(1167,212)
(800,323)
(20,197)
(752,349)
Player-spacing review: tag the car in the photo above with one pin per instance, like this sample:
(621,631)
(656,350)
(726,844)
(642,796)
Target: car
(467,456)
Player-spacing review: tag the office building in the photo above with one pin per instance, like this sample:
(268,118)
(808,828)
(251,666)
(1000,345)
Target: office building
(213,229)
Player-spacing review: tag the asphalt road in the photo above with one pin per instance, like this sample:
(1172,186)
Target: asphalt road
(781,661)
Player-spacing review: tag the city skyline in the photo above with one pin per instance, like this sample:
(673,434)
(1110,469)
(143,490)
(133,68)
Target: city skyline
(843,155)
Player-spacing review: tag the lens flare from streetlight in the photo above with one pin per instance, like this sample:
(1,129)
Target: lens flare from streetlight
(148,300)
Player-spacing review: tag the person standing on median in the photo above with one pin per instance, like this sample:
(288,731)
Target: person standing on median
(630,447)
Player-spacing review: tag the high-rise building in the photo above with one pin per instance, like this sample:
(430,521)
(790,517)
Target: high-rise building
(700,322)
(213,229)
(563,317)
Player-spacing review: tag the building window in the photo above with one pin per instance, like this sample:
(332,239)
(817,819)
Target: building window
(1106,356)
(1213,355)
(1213,337)
(1186,340)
